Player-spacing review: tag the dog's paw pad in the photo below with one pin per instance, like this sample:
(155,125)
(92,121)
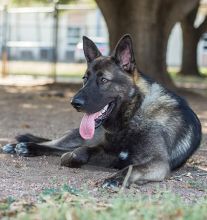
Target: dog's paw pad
(110,184)
(21,149)
(8,149)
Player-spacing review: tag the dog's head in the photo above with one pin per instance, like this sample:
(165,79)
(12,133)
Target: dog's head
(107,83)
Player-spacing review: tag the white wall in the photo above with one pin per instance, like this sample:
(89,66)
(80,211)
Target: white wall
(174,51)
(38,29)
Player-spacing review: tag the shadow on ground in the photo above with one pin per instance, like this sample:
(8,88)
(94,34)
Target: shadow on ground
(45,111)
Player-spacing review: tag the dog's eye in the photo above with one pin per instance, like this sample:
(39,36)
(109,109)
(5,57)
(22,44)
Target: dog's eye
(85,79)
(104,80)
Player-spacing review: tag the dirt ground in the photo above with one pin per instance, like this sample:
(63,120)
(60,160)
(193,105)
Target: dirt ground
(46,111)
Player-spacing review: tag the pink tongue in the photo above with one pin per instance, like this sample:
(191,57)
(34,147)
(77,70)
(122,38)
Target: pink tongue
(87,126)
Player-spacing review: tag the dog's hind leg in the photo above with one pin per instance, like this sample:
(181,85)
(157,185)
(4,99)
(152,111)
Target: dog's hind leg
(155,170)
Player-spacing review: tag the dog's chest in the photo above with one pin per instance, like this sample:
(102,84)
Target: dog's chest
(118,142)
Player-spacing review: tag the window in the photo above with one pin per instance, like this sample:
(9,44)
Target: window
(73,36)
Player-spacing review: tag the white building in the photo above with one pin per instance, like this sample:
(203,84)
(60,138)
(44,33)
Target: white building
(30,35)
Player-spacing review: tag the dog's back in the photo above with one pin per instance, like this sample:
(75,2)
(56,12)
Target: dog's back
(175,120)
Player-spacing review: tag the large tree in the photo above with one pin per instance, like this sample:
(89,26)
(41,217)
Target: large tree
(191,37)
(150,23)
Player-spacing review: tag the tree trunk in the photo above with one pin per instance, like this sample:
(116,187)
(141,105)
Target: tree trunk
(149,23)
(150,44)
(191,37)
(189,65)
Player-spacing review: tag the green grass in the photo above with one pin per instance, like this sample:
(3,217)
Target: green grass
(175,70)
(70,204)
(76,71)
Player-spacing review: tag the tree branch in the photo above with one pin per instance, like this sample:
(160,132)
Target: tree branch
(179,9)
(203,26)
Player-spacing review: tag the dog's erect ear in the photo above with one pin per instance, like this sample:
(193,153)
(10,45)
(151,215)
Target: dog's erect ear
(124,55)
(90,50)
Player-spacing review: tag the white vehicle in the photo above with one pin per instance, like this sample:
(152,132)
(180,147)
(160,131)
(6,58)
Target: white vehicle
(101,43)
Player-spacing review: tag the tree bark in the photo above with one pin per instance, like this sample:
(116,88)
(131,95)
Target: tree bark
(149,23)
(189,66)
(191,37)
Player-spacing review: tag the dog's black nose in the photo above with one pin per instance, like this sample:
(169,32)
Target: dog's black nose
(77,103)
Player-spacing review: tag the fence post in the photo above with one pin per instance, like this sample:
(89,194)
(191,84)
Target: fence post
(55,40)
(4,43)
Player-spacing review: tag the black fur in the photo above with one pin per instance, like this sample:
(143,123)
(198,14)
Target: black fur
(148,127)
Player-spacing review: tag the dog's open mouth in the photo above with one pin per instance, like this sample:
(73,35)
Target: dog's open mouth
(91,121)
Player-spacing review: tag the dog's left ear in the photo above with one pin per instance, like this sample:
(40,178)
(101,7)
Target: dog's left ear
(90,49)
(124,55)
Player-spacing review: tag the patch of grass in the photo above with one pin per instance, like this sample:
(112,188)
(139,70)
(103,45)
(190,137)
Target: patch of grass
(76,70)
(180,78)
(59,191)
(70,204)
(201,186)
(5,204)
(190,82)
(174,70)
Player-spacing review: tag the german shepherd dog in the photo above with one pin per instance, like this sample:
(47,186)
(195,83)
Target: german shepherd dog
(146,127)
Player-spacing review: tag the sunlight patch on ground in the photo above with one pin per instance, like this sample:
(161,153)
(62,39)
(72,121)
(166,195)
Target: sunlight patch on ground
(25,81)
(204,129)
(29,106)
(203,117)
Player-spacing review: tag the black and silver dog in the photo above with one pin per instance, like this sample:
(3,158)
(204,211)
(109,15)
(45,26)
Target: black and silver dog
(127,114)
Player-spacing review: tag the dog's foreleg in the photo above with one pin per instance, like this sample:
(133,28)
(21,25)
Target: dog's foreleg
(30,138)
(69,142)
(30,145)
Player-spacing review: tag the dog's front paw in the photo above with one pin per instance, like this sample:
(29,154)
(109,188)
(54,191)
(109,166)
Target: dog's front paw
(8,149)
(77,158)
(69,160)
(21,149)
